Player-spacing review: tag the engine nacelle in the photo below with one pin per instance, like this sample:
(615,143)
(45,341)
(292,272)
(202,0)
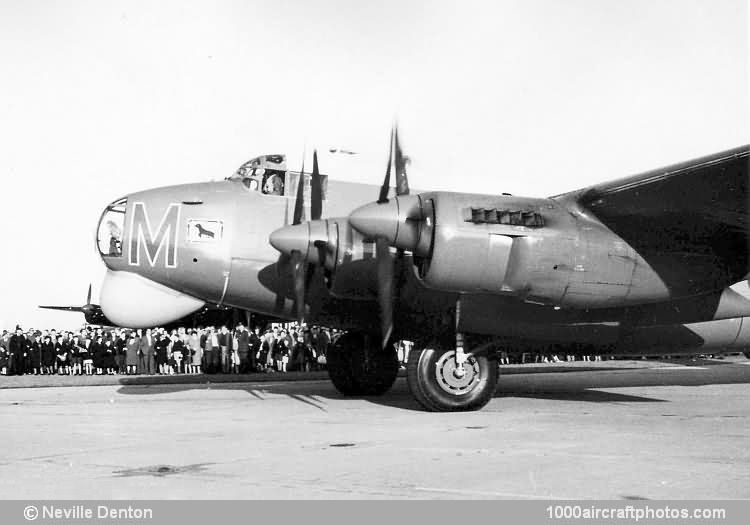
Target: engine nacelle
(534,249)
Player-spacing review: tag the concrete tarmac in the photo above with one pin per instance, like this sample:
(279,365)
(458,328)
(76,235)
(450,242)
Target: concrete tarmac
(613,429)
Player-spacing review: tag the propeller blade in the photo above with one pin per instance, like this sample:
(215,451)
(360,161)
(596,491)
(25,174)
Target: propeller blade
(299,203)
(386,270)
(88,296)
(385,188)
(402,183)
(64,308)
(298,267)
(316,190)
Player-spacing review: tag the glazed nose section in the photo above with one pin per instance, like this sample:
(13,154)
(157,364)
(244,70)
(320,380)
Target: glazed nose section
(109,232)
(132,301)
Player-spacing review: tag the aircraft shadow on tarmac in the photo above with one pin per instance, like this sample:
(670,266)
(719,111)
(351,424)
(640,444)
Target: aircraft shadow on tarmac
(564,383)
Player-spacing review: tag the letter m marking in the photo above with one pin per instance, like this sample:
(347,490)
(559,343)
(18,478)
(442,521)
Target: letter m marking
(154,242)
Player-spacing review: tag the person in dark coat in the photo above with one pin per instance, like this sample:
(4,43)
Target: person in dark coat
(255,346)
(74,349)
(282,351)
(48,355)
(108,357)
(97,354)
(161,348)
(147,349)
(16,351)
(298,353)
(62,362)
(35,355)
(120,353)
(243,349)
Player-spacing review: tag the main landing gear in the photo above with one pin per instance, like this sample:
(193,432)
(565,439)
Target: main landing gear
(444,380)
(358,366)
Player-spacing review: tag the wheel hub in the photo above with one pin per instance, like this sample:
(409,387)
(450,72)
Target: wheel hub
(454,379)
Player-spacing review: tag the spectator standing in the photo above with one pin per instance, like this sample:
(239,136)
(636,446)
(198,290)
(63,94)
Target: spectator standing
(161,348)
(254,353)
(35,354)
(225,346)
(84,354)
(108,357)
(215,357)
(61,352)
(178,351)
(48,355)
(147,349)
(131,354)
(76,350)
(120,352)
(16,349)
(299,351)
(4,353)
(243,349)
(97,354)
(194,344)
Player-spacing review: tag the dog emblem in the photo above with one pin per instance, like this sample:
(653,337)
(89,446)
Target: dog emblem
(202,232)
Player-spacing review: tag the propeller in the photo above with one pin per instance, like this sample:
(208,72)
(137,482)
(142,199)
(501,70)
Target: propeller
(302,272)
(92,312)
(387,264)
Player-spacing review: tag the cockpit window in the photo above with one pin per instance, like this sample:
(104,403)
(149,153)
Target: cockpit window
(111,225)
(265,174)
(268,175)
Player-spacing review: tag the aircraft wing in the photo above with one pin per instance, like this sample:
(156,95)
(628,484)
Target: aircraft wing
(689,221)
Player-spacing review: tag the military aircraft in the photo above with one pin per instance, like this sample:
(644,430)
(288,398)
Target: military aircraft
(641,264)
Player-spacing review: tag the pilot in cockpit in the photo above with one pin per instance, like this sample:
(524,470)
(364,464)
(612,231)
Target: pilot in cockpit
(273,184)
(115,239)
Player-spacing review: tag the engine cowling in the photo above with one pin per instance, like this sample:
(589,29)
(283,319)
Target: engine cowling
(534,249)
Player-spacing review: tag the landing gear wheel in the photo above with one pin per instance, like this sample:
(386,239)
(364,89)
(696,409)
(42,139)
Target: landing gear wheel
(358,366)
(440,386)
(746,354)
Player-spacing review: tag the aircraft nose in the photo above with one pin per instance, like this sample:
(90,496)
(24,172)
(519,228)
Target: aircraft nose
(291,238)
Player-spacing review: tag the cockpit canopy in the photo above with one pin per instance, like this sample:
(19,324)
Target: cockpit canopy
(268,174)
(265,173)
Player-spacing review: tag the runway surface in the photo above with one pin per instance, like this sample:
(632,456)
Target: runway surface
(622,430)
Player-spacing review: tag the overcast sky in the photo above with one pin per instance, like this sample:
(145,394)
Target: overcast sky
(99,99)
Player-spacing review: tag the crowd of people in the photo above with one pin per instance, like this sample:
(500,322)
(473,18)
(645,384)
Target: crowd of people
(241,350)
(97,351)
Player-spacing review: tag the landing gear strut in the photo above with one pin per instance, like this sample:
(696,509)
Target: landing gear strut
(358,366)
(443,380)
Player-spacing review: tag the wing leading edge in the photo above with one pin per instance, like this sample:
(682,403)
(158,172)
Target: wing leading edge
(688,220)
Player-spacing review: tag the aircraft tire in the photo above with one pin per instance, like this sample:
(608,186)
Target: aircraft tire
(746,354)
(357,365)
(428,374)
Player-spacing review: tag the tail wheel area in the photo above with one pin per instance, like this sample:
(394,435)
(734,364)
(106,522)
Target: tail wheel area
(358,366)
(440,385)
